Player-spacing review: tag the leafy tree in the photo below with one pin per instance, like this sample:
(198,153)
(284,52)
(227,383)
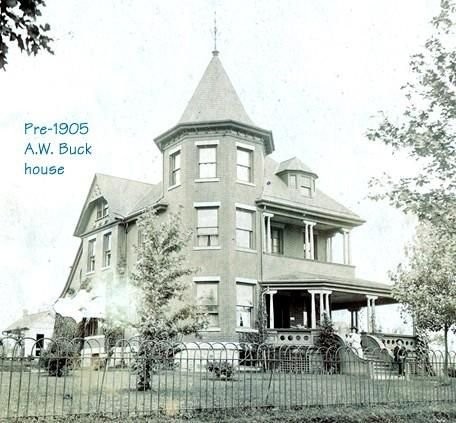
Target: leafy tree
(164,315)
(426,283)
(426,131)
(18,26)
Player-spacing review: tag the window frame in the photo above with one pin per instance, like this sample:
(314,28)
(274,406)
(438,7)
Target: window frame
(107,252)
(91,258)
(251,231)
(305,189)
(250,150)
(102,208)
(200,148)
(204,206)
(241,308)
(175,172)
(209,309)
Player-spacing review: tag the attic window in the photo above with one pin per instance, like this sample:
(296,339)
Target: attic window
(305,185)
(102,208)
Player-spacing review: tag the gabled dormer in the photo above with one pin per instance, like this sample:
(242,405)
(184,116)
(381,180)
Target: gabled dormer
(111,198)
(298,176)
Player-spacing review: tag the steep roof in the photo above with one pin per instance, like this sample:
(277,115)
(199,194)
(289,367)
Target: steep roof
(124,197)
(294,164)
(276,190)
(215,98)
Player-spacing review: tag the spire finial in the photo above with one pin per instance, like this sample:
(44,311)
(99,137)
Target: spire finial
(215,51)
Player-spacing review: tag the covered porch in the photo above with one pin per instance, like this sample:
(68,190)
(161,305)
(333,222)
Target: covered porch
(295,308)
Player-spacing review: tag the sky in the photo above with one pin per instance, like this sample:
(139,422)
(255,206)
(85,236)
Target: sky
(316,73)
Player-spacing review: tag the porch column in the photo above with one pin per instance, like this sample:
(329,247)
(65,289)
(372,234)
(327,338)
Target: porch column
(329,249)
(308,240)
(328,311)
(313,314)
(311,236)
(271,308)
(346,244)
(267,240)
(371,313)
(354,318)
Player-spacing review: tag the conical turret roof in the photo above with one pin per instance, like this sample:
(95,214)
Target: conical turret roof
(215,98)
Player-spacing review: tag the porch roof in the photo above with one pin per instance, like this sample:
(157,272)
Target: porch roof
(316,281)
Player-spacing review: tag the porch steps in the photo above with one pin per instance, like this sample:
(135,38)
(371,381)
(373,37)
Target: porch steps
(381,368)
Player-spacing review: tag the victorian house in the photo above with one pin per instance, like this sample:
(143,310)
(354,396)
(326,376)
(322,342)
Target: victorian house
(262,230)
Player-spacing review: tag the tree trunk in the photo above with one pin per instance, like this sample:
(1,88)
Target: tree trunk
(445,361)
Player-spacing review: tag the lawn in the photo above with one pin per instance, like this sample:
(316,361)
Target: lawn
(34,393)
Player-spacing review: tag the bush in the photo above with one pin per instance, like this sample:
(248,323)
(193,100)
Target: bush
(59,357)
(452,371)
(221,368)
(61,353)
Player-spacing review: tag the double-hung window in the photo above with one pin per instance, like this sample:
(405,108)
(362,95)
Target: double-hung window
(102,208)
(107,239)
(305,185)
(244,228)
(207,161)
(244,305)
(91,255)
(207,230)
(207,301)
(175,168)
(244,165)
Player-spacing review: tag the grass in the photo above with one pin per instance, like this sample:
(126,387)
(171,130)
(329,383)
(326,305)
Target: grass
(411,413)
(86,391)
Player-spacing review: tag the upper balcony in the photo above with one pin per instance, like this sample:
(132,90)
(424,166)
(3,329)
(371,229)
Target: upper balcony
(293,246)
(278,265)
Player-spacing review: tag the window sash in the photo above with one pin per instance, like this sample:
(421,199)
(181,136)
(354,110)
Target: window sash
(207,161)
(107,242)
(244,316)
(244,239)
(244,165)
(207,229)
(91,255)
(207,294)
(207,301)
(244,295)
(244,219)
(175,168)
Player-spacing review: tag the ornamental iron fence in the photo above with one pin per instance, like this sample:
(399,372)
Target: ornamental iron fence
(130,377)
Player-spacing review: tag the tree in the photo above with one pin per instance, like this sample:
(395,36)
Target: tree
(426,131)
(329,343)
(426,283)
(160,272)
(18,26)
(63,348)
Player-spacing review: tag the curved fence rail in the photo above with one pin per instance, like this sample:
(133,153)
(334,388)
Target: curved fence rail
(83,376)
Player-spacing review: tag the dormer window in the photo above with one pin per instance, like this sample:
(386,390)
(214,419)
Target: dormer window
(102,208)
(305,185)
(297,176)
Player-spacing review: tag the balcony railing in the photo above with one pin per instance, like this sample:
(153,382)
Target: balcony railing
(279,265)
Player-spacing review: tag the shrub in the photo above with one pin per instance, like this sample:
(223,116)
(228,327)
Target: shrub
(221,368)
